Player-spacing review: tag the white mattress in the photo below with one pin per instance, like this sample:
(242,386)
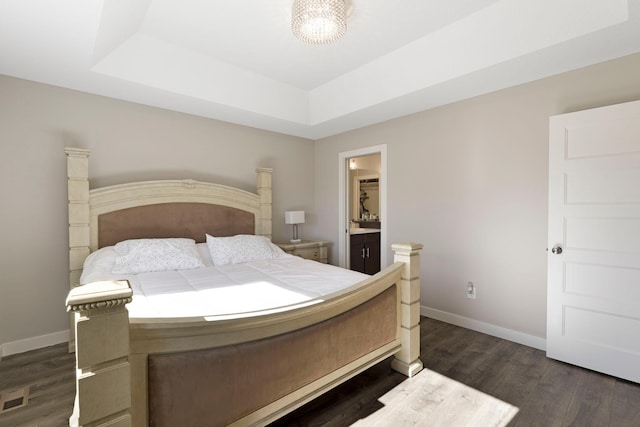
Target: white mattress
(282,283)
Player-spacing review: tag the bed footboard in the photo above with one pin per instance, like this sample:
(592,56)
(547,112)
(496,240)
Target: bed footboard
(112,355)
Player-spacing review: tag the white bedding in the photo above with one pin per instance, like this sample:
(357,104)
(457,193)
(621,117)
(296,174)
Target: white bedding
(279,283)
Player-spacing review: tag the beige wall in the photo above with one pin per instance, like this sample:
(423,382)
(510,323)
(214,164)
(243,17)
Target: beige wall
(128,142)
(469,181)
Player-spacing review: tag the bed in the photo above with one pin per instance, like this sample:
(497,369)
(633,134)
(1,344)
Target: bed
(244,361)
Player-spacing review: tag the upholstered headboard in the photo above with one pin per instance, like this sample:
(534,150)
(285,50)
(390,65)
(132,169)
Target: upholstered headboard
(162,220)
(169,208)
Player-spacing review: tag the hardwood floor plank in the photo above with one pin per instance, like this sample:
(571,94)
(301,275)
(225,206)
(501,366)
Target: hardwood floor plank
(550,399)
(52,362)
(435,330)
(474,353)
(444,357)
(516,385)
(440,336)
(493,370)
(592,400)
(474,408)
(625,410)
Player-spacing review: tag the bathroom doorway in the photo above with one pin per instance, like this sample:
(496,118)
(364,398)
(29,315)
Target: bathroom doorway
(362,242)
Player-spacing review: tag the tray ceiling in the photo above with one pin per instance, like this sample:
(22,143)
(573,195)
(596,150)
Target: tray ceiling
(237,61)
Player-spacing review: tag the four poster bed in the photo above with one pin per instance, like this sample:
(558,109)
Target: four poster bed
(149,353)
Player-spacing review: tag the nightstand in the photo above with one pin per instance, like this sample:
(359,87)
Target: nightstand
(315,250)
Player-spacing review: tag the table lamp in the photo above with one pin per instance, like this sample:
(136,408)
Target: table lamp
(294,218)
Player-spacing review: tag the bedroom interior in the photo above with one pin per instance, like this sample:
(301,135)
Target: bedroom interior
(176,284)
(468,157)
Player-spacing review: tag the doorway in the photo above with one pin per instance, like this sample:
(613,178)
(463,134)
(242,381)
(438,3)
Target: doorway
(363,206)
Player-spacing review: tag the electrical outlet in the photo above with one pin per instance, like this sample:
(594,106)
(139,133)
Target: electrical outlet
(471,290)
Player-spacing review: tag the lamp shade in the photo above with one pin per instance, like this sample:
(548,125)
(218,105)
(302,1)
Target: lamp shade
(294,217)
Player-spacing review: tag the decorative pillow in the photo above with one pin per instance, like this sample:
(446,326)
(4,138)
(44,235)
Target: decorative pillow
(147,255)
(241,248)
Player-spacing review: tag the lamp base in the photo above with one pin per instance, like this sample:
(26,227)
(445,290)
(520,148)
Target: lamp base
(295,235)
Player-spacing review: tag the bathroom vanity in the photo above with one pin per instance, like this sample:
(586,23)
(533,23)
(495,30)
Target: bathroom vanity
(365,250)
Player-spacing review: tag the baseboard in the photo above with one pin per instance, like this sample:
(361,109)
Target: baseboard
(34,343)
(485,328)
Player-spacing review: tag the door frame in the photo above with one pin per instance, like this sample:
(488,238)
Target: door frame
(344,194)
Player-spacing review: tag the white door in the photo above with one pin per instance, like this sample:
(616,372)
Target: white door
(593,290)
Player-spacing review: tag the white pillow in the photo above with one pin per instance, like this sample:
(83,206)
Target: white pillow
(241,248)
(147,255)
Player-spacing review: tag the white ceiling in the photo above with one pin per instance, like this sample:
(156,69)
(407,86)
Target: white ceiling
(236,60)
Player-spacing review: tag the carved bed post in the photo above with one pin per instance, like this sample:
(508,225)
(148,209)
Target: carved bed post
(78,198)
(264,191)
(407,361)
(78,205)
(103,378)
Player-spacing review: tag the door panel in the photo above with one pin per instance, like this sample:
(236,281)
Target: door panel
(603,234)
(372,250)
(593,289)
(599,281)
(595,328)
(356,247)
(603,186)
(586,139)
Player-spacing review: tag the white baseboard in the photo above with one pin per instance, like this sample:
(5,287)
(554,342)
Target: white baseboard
(34,343)
(485,328)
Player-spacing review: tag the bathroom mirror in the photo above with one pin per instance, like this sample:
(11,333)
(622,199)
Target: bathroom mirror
(368,198)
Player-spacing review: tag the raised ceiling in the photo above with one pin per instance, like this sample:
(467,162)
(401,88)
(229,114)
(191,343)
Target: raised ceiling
(237,61)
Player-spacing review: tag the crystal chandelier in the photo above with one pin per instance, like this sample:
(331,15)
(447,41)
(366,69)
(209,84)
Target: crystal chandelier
(319,21)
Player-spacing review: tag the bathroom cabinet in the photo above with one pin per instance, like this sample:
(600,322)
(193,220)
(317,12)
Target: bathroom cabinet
(365,252)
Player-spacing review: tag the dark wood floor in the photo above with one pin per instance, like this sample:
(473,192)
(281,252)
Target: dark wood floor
(51,376)
(470,379)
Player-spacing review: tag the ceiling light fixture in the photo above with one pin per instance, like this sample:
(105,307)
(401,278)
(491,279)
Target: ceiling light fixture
(319,21)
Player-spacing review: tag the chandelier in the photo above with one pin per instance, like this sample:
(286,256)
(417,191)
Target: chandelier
(318,21)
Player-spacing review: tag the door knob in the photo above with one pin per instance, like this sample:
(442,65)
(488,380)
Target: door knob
(557,250)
